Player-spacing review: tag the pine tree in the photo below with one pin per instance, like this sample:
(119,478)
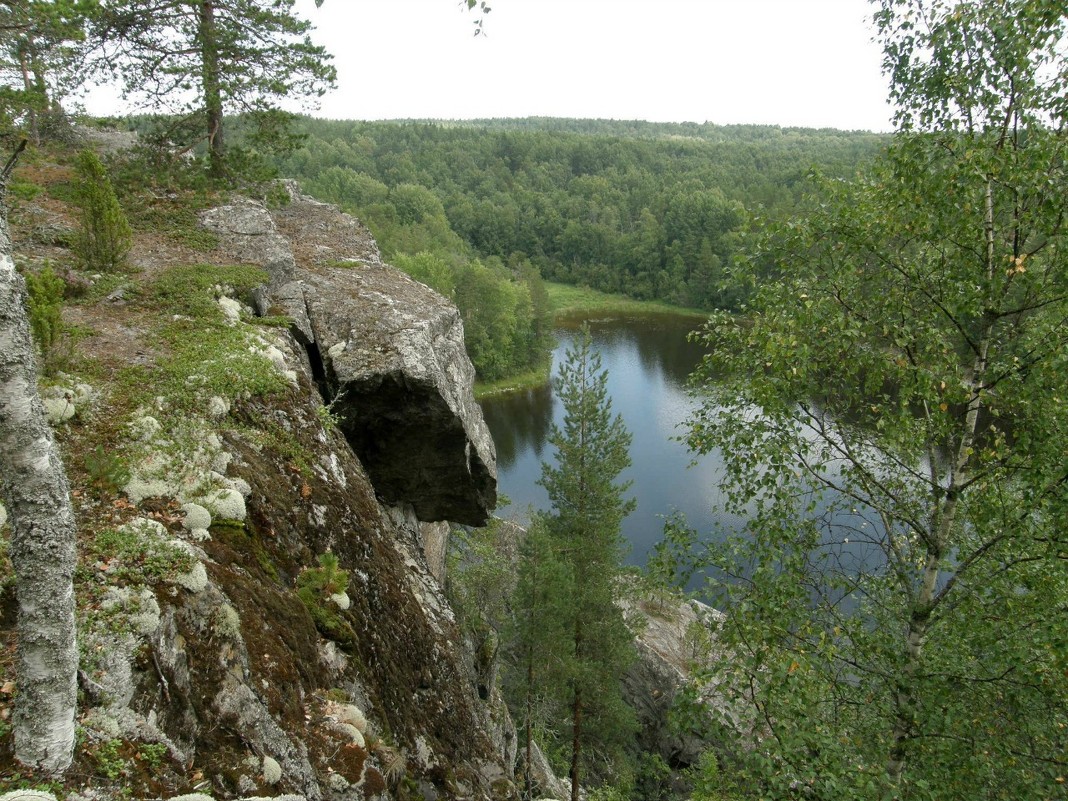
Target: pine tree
(539,645)
(588,510)
(207,60)
(104,235)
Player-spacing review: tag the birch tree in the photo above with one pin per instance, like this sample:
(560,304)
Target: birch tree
(892,414)
(42,549)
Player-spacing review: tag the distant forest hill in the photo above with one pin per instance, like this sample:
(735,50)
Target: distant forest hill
(640,129)
(652,210)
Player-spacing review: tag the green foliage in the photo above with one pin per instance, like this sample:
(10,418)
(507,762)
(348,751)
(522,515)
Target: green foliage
(315,585)
(152,754)
(107,471)
(139,556)
(211,62)
(582,551)
(649,211)
(110,761)
(44,291)
(42,42)
(673,562)
(104,236)
(482,574)
(709,783)
(891,414)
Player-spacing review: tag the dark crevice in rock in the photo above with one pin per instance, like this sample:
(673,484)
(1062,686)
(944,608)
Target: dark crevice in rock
(318,371)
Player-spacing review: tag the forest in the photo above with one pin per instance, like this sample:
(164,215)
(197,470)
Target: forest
(482,210)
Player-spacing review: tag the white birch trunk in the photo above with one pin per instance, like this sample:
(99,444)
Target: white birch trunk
(34,489)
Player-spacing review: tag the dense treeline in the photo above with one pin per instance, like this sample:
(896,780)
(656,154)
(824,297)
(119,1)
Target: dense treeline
(653,210)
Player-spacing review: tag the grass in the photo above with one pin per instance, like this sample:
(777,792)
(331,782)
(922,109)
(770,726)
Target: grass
(568,302)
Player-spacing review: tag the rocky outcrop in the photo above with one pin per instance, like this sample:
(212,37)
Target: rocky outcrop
(241,657)
(675,642)
(388,355)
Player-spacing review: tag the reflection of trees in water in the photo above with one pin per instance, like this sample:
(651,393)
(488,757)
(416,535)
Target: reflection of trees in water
(659,340)
(519,421)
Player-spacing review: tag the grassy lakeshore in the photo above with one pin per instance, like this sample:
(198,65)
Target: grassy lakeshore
(570,302)
(566,300)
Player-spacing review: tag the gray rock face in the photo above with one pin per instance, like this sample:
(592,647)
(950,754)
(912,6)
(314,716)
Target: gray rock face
(393,360)
(247,232)
(674,643)
(388,351)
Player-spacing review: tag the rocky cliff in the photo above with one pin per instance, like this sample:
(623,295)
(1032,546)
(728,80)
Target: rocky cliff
(258,613)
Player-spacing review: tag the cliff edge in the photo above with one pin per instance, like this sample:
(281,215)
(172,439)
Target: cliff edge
(260,466)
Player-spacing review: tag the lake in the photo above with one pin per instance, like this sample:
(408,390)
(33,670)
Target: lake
(648,359)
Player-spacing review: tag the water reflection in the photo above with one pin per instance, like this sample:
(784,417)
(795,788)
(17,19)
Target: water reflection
(649,360)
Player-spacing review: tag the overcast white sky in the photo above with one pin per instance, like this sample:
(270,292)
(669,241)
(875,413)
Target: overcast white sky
(786,62)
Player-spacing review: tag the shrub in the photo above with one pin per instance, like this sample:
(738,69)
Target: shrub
(44,291)
(104,237)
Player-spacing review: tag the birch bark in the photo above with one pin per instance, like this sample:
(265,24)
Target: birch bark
(34,488)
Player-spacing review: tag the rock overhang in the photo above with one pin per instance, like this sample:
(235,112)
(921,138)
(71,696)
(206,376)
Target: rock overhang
(389,355)
(400,384)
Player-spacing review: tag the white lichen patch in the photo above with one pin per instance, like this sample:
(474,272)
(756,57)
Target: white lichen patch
(196,517)
(231,310)
(144,527)
(27,795)
(3,516)
(351,714)
(225,504)
(351,733)
(337,782)
(63,401)
(137,607)
(144,427)
(337,472)
(227,623)
(58,410)
(272,771)
(218,407)
(99,721)
(195,580)
(240,485)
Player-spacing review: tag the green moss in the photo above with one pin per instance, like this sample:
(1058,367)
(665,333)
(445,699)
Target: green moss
(190,289)
(273,321)
(24,190)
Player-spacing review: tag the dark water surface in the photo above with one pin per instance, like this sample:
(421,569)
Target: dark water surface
(648,359)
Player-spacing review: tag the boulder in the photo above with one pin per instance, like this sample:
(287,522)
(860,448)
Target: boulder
(247,233)
(395,368)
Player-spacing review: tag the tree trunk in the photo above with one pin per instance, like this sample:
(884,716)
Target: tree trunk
(906,695)
(42,548)
(576,743)
(210,72)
